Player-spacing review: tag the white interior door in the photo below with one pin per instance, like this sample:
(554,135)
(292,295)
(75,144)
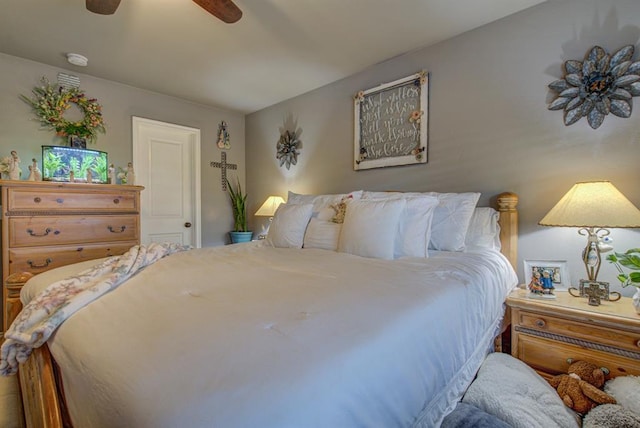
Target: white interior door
(166,159)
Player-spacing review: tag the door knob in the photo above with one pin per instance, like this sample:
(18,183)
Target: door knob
(187,224)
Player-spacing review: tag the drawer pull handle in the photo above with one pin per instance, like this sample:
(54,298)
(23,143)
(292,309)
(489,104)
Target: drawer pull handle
(540,323)
(59,200)
(122,229)
(37,200)
(46,232)
(605,370)
(35,266)
(116,201)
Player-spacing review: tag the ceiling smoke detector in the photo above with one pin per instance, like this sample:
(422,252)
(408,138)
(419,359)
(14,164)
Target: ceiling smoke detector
(77,59)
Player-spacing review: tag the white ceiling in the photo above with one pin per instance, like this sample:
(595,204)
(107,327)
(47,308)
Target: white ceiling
(279,49)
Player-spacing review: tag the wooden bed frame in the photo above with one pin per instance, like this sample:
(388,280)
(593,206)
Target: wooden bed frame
(41,386)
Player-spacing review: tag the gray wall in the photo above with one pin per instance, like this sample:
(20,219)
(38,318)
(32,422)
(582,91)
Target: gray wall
(489,127)
(19,132)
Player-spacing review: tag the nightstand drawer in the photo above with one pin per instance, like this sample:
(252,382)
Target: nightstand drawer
(580,330)
(550,356)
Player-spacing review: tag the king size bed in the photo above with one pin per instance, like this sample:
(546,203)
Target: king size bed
(288,331)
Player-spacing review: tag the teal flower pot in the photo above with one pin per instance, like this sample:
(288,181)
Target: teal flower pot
(237,237)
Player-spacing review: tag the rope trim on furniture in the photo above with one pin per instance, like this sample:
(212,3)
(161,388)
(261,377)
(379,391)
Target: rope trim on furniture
(596,346)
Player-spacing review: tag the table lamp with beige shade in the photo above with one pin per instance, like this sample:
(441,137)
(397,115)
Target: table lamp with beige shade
(268,209)
(593,207)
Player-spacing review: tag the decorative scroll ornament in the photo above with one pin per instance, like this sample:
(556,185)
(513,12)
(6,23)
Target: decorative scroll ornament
(597,86)
(288,149)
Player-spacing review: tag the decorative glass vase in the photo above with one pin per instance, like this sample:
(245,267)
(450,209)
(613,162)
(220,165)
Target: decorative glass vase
(636,300)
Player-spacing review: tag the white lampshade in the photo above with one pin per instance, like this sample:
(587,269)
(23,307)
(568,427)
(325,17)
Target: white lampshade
(593,204)
(268,209)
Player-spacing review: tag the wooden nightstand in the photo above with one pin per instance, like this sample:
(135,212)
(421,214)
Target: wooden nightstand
(546,333)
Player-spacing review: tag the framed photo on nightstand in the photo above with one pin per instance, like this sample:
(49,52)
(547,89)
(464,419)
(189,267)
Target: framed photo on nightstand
(553,272)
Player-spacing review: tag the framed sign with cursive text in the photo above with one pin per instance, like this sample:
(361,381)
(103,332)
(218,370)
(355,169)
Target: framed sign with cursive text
(391,123)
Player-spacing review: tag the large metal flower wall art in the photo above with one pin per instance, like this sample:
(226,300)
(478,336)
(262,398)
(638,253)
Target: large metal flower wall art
(597,86)
(288,149)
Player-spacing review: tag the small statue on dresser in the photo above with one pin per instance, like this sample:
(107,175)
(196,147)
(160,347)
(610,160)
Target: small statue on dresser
(14,166)
(35,171)
(113,179)
(131,175)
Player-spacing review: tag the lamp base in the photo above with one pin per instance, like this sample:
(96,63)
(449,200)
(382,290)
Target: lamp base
(591,253)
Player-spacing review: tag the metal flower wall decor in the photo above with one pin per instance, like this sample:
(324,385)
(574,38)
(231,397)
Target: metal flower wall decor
(288,149)
(597,86)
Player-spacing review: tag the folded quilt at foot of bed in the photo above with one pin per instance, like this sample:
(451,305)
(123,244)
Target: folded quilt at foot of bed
(44,314)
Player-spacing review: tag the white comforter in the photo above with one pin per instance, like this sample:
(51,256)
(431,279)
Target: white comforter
(251,336)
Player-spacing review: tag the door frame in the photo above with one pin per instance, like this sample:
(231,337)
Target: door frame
(195,168)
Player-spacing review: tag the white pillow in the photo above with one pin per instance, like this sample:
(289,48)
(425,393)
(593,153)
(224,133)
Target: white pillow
(484,230)
(322,234)
(288,225)
(414,230)
(370,228)
(451,220)
(320,201)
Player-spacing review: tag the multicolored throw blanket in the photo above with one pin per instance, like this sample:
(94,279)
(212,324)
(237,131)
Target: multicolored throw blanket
(43,315)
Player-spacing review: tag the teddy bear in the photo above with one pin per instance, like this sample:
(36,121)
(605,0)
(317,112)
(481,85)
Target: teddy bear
(580,388)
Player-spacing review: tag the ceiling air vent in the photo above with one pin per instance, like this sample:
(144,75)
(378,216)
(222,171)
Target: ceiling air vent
(68,81)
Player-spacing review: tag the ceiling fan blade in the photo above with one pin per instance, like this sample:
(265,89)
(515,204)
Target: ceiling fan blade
(103,7)
(225,10)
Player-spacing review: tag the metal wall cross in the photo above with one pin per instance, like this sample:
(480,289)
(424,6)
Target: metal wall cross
(223,165)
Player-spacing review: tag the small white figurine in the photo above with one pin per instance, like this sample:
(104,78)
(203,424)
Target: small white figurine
(34,172)
(14,166)
(112,174)
(131,175)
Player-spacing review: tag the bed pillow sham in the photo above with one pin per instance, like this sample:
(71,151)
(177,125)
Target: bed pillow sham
(484,230)
(323,234)
(451,217)
(414,228)
(289,225)
(451,220)
(370,228)
(321,201)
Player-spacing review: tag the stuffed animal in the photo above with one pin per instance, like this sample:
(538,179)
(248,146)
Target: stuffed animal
(580,388)
(626,391)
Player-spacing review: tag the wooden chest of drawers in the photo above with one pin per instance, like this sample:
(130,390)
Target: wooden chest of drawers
(47,225)
(545,334)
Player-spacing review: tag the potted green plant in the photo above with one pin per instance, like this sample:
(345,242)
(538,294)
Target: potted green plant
(629,260)
(240,232)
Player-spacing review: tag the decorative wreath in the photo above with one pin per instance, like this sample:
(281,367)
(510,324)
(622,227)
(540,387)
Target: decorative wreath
(50,102)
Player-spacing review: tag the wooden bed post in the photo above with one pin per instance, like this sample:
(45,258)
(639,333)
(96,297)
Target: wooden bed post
(507,203)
